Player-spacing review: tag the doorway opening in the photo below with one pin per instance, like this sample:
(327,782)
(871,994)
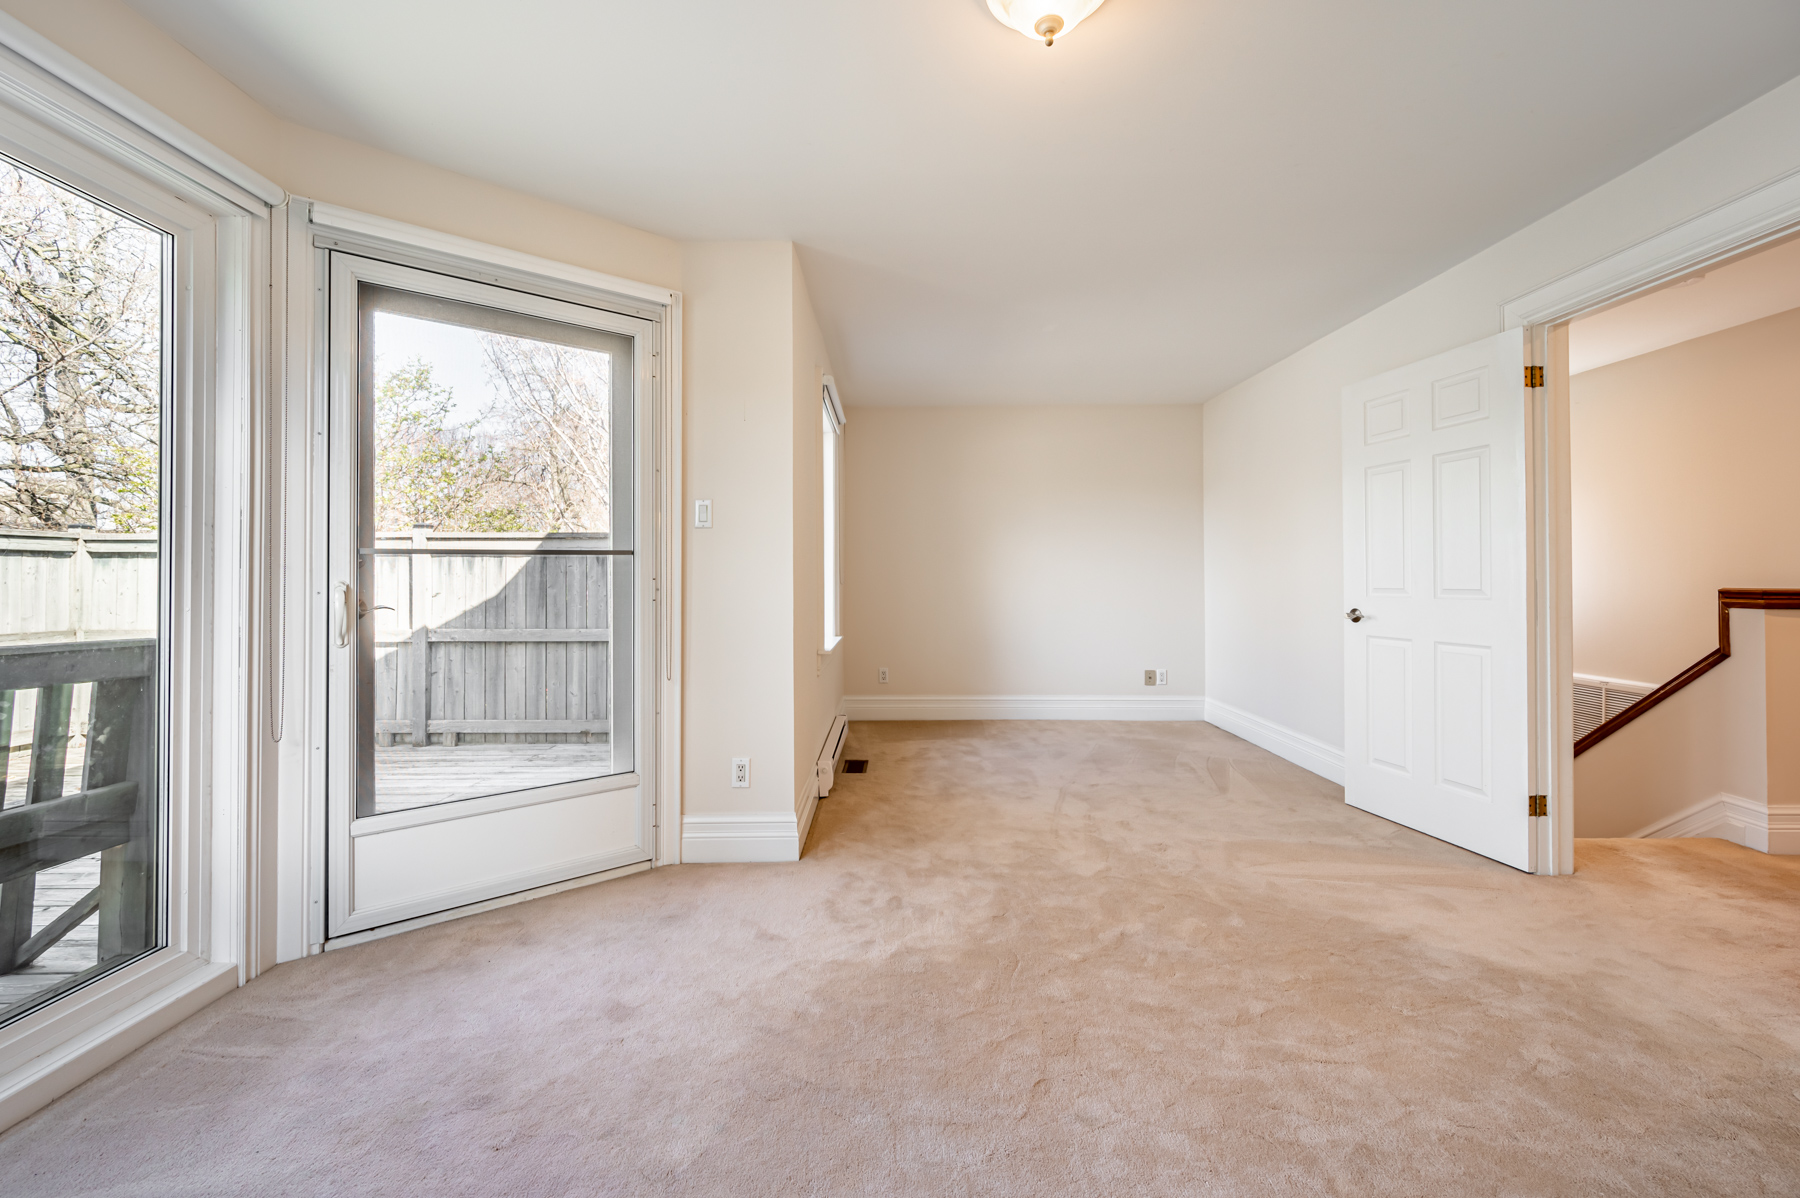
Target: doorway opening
(1684,410)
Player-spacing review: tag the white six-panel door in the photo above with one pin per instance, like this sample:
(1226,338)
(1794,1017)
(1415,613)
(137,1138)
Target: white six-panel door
(1436,645)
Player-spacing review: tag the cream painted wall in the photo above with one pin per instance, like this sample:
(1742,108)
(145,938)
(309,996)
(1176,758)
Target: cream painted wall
(1032,550)
(1781,635)
(739,391)
(818,677)
(1274,572)
(1684,482)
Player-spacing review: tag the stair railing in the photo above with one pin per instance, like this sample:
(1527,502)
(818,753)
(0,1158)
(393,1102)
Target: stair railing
(1728,599)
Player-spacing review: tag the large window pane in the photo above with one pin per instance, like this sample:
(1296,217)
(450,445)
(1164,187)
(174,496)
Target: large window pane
(81,433)
(492,656)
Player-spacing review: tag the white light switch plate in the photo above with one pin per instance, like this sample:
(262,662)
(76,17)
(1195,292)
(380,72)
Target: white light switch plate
(702,513)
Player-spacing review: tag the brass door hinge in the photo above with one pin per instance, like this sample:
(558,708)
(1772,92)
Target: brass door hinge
(1540,804)
(1534,376)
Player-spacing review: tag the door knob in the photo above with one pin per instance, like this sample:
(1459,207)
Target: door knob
(1354,615)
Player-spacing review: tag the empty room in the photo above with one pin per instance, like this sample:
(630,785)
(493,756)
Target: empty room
(971,597)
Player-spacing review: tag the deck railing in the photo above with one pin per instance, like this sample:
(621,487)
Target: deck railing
(112,810)
(1729,597)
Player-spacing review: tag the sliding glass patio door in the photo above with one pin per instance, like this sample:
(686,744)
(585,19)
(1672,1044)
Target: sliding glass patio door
(85,369)
(484,640)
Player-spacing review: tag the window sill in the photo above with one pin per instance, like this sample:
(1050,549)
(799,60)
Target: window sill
(831,646)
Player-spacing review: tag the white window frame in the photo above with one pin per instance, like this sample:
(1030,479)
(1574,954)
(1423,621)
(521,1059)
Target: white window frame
(57,117)
(833,507)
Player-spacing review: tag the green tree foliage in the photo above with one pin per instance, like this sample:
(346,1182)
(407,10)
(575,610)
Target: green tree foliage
(536,460)
(80,361)
(428,471)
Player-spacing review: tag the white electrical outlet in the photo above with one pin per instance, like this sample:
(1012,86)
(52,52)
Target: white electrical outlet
(740,771)
(1149,677)
(1162,677)
(881,675)
(702,513)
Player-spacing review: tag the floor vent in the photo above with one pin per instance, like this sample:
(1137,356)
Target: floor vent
(1600,699)
(856,765)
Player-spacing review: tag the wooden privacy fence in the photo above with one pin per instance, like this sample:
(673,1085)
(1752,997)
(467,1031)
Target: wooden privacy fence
(76,585)
(113,811)
(478,641)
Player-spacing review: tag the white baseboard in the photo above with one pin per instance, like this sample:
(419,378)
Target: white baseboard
(755,836)
(1784,829)
(1726,816)
(1308,753)
(1025,707)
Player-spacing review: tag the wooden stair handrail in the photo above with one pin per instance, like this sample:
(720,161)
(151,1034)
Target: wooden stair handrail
(1729,598)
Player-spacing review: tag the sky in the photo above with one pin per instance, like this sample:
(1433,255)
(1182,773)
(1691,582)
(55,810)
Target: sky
(455,354)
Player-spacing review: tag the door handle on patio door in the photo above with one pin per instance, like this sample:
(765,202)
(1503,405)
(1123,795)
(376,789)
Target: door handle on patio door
(343,615)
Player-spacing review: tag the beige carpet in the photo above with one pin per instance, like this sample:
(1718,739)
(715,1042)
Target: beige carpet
(1019,959)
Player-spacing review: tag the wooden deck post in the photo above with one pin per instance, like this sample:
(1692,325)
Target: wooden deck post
(121,748)
(421,638)
(421,688)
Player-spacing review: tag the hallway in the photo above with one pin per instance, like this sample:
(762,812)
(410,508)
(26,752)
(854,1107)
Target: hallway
(1017,958)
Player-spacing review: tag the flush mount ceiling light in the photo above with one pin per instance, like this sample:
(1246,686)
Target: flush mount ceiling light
(1042,19)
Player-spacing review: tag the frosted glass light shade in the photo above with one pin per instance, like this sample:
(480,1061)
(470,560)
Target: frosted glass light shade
(1029,16)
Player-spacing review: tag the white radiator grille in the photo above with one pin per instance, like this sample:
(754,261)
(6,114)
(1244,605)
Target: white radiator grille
(1600,699)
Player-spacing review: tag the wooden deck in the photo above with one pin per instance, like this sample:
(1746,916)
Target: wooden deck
(57,887)
(408,777)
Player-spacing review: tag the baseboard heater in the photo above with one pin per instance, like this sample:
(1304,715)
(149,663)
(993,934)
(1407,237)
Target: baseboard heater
(832,754)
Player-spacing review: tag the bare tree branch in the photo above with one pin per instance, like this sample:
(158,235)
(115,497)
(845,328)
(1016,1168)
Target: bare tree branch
(80,360)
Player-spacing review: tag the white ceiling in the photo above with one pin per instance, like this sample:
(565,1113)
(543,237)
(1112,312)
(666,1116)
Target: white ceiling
(1726,296)
(1178,194)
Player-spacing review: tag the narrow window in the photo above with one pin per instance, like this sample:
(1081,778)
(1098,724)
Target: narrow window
(834,503)
(82,427)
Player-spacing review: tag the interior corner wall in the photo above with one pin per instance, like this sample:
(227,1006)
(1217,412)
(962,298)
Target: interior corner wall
(738,384)
(1273,508)
(1684,481)
(999,555)
(818,677)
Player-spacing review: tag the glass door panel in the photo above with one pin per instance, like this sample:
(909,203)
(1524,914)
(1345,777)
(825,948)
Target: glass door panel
(490,567)
(83,364)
